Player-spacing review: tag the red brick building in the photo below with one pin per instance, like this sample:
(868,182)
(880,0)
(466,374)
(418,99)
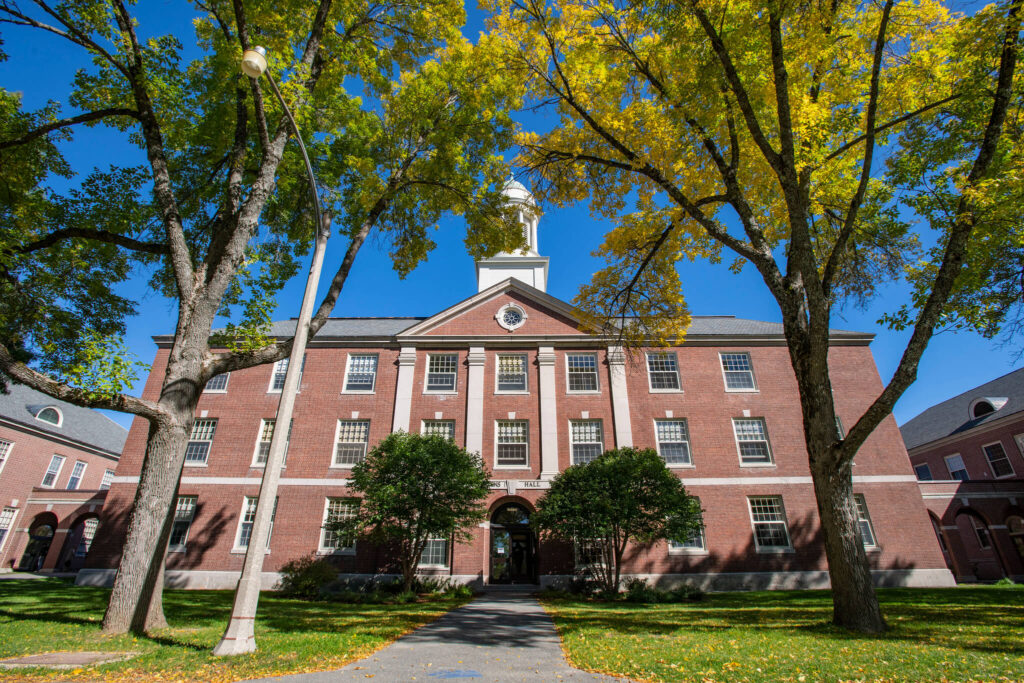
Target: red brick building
(513,374)
(968,453)
(56,462)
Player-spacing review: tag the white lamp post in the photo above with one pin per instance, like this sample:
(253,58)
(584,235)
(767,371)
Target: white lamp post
(239,637)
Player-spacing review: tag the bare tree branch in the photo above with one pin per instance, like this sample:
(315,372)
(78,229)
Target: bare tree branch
(67,122)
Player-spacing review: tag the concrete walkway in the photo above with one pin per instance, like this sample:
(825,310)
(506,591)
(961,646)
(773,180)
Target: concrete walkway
(498,637)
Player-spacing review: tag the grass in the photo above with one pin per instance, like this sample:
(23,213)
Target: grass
(956,634)
(52,615)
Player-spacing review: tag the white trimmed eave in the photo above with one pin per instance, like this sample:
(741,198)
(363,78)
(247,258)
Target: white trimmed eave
(999,423)
(67,441)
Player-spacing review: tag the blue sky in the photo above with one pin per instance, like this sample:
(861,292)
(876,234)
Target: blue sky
(41,68)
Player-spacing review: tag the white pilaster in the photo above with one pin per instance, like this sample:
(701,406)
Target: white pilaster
(475,400)
(620,397)
(403,391)
(548,413)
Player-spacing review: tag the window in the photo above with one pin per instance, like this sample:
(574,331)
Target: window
(198,449)
(88,533)
(53,471)
(695,543)
(587,441)
(445,428)
(997,460)
(249,518)
(75,480)
(769,520)
(867,532)
(981,532)
(361,374)
(441,369)
(511,372)
(840,431)
(435,553)
(673,442)
(280,371)
(263,443)
(350,445)
(512,449)
(752,441)
(51,415)
(337,510)
(218,383)
(955,465)
(6,522)
(662,371)
(923,472)
(582,371)
(5,450)
(184,512)
(983,408)
(739,374)
(588,552)
(108,479)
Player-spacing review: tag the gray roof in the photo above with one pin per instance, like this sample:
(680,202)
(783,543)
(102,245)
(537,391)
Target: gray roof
(953,415)
(21,404)
(349,327)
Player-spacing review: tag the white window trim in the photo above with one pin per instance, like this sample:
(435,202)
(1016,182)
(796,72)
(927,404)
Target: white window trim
(1013,472)
(426,375)
(242,549)
(597,373)
(949,472)
(13,527)
(683,550)
(321,548)
(527,444)
(273,372)
(679,379)
(182,547)
(772,549)
(526,374)
(423,426)
(334,445)
(81,476)
(56,475)
(572,443)
(255,464)
(927,467)
(348,368)
(689,445)
(753,377)
(204,463)
(868,547)
(219,391)
(447,554)
(60,416)
(10,449)
(767,440)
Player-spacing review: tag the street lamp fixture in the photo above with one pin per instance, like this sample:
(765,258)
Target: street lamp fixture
(239,637)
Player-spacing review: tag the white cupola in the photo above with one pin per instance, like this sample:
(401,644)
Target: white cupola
(526,265)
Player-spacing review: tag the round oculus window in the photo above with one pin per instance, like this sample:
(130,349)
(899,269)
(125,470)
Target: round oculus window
(510,317)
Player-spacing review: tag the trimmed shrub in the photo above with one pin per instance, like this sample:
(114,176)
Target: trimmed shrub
(306,577)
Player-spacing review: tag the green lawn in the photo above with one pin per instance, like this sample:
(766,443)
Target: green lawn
(293,636)
(956,634)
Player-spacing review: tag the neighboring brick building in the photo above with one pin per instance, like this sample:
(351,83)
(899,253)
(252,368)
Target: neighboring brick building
(968,453)
(56,462)
(513,374)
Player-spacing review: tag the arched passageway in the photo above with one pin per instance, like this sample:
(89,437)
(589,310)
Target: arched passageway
(513,546)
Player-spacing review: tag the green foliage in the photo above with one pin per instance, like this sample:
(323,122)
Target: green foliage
(414,488)
(306,577)
(106,366)
(625,495)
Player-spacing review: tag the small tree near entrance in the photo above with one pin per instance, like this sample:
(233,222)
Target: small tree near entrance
(415,488)
(624,495)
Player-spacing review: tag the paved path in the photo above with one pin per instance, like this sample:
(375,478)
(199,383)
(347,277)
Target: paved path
(494,638)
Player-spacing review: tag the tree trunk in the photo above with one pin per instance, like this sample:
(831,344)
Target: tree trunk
(854,603)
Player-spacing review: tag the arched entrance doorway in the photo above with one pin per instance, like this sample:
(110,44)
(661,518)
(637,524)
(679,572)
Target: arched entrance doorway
(40,536)
(513,546)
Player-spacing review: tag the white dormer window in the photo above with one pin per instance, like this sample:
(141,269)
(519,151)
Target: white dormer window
(51,415)
(980,407)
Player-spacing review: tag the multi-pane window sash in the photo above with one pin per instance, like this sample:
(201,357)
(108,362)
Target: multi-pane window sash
(6,522)
(738,372)
(249,518)
(511,372)
(441,368)
(184,511)
(981,532)
(362,372)
(88,533)
(674,442)
(769,518)
(5,450)
(353,436)
(445,428)
(867,532)
(582,371)
(198,449)
(588,552)
(997,460)
(752,438)
(281,370)
(218,382)
(75,480)
(512,443)
(923,472)
(50,478)
(587,440)
(694,542)
(108,479)
(339,510)
(435,553)
(956,467)
(663,370)
(266,436)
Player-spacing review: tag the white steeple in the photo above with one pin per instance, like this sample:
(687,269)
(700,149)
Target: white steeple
(526,264)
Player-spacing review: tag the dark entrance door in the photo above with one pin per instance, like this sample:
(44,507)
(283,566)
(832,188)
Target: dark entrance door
(513,546)
(39,542)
